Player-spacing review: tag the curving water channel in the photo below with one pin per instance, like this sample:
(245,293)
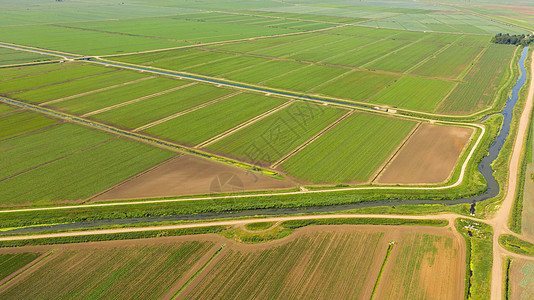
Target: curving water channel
(484,167)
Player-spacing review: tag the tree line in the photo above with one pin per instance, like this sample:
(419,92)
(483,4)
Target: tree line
(516,39)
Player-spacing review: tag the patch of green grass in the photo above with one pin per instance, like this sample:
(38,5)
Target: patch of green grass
(479,241)
(259,226)
(357,147)
(516,245)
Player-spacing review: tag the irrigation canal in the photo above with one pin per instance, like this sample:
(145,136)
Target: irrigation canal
(484,167)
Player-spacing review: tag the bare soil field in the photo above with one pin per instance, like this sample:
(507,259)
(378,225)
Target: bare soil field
(522,279)
(189,175)
(424,266)
(429,156)
(302,265)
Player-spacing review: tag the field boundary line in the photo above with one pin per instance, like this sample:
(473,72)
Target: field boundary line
(25,270)
(94,91)
(243,165)
(311,140)
(137,100)
(147,139)
(390,53)
(364,106)
(27,64)
(183,112)
(244,124)
(116,33)
(64,55)
(212,256)
(90,198)
(426,59)
(331,80)
(306,65)
(473,63)
(282,18)
(396,152)
(360,47)
(381,272)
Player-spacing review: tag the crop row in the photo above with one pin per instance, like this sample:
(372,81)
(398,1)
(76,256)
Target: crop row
(349,152)
(481,83)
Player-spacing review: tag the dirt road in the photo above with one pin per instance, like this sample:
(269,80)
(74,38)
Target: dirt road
(500,219)
(449,217)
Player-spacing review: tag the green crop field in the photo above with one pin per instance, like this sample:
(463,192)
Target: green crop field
(152,109)
(11,57)
(220,67)
(274,136)
(203,124)
(480,85)
(79,41)
(450,63)
(21,71)
(117,95)
(364,140)
(76,87)
(358,86)
(10,263)
(45,79)
(82,174)
(4,108)
(110,272)
(305,79)
(405,58)
(265,71)
(19,122)
(415,93)
(45,146)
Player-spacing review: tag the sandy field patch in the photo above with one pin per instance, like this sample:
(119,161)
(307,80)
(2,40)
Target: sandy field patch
(189,175)
(527,222)
(429,156)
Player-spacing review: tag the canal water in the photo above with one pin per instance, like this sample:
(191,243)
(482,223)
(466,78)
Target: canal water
(484,167)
